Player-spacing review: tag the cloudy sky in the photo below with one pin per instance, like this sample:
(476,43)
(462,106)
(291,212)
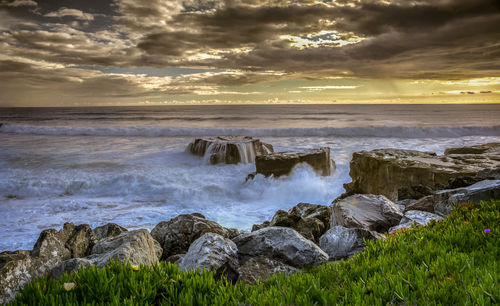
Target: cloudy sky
(132,52)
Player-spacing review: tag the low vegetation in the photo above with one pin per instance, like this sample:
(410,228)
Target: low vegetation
(453,261)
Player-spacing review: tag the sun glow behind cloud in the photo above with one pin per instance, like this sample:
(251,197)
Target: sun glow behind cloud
(260,51)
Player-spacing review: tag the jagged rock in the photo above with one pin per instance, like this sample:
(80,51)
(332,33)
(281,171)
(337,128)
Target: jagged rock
(212,252)
(371,212)
(69,266)
(136,247)
(423,204)
(310,220)
(403,174)
(278,164)
(109,230)
(414,216)
(229,149)
(175,258)
(280,243)
(70,242)
(260,268)
(342,242)
(176,235)
(446,200)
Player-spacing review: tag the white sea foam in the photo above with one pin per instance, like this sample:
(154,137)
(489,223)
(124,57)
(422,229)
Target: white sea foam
(170,131)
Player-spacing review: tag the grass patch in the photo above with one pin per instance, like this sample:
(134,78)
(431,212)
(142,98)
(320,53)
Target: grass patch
(453,261)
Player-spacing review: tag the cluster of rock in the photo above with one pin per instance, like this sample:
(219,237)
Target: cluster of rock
(306,234)
(245,149)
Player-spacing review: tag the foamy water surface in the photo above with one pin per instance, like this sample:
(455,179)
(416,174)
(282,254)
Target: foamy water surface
(129,165)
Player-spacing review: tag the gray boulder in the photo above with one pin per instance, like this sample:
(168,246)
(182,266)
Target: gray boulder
(371,212)
(109,230)
(176,235)
(215,253)
(418,217)
(446,200)
(69,266)
(280,243)
(260,268)
(342,242)
(16,270)
(136,247)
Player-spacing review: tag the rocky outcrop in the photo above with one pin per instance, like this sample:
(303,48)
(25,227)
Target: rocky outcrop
(371,212)
(417,217)
(446,200)
(342,242)
(310,220)
(488,148)
(259,269)
(280,243)
(16,270)
(278,164)
(109,230)
(215,253)
(136,247)
(229,149)
(423,204)
(407,174)
(176,235)
(69,266)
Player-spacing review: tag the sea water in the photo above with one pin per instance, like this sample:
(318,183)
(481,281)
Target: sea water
(129,165)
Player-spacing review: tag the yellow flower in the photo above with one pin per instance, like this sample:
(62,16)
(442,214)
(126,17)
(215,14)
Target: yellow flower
(449,278)
(135,267)
(69,286)
(466,222)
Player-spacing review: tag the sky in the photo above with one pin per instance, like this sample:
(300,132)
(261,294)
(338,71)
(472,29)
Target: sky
(168,52)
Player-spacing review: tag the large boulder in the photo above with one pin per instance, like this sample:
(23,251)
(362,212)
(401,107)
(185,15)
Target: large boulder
(342,242)
(109,230)
(16,270)
(446,200)
(406,174)
(215,253)
(136,247)
(278,164)
(177,234)
(229,149)
(417,217)
(371,212)
(260,268)
(310,220)
(280,243)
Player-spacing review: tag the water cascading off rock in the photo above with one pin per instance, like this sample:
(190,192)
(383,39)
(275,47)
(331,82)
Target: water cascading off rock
(229,149)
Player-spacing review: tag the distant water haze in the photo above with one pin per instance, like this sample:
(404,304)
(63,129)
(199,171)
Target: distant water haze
(128,165)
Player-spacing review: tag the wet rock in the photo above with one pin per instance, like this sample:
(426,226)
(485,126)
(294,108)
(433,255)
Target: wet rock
(280,243)
(417,217)
(402,174)
(446,200)
(176,235)
(69,266)
(229,149)
(215,253)
(109,230)
(342,242)
(310,220)
(136,247)
(423,204)
(259,269)
(278,164)
(371,212)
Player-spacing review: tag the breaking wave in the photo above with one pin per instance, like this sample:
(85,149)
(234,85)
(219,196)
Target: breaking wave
(166,131)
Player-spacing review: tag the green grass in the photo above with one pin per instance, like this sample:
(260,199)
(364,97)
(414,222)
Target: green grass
(452,261)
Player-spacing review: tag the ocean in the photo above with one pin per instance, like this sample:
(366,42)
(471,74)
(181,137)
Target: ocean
(129,165)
